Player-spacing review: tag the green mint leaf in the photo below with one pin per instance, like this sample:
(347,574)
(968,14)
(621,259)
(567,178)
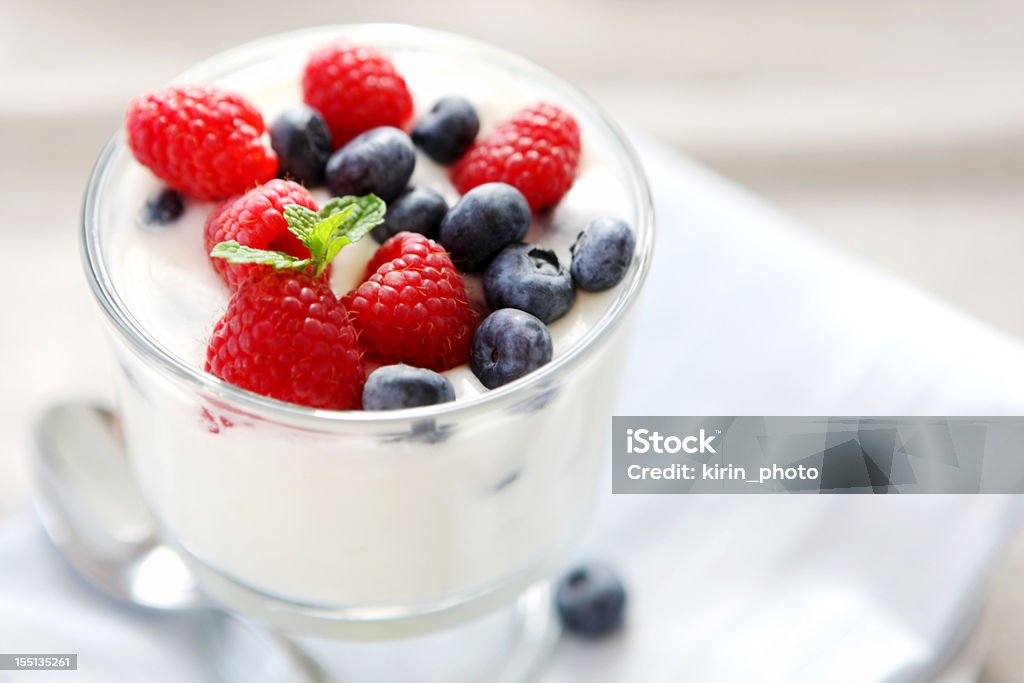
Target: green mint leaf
(233,252)
(301,221)
(344,220)
(325,230)
(367,212)
(334,205)
(335,245)
(319,240)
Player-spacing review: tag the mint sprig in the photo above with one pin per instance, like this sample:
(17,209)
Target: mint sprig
(342,221)
(233,252)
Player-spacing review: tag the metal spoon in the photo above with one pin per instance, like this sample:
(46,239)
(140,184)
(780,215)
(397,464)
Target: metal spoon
(92,510)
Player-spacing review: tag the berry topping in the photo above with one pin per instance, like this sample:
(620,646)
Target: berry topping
(413,307)
(536,150)
(285,335)
(448,130)
(529,278)
(591,601)
(602,253)
(342,221)
(256,219)
(379,161)
(302,141)
(508,345)
(165,207)
(483,221)
(356,88)
(402,386)
(201,141)
(418,209)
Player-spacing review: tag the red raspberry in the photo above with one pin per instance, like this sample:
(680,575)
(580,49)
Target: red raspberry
(535,151)
(356,88)
(256,219)
(389,251)
(285,335)
(413,308)
(202,141)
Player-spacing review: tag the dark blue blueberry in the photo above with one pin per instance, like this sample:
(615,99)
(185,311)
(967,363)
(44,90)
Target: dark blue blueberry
(426,430)
(302,140)
(602,254)
(486,219)
(166,206)
(529,278)
(380,161)
(391,387)
(509,344)
(591,601)
(448,130)
(418,209)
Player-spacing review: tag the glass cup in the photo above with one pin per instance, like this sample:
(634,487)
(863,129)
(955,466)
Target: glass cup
(369,525)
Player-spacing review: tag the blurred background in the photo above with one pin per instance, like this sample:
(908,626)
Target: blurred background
(894,128)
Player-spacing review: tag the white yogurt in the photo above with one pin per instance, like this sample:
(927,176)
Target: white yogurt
(368,527)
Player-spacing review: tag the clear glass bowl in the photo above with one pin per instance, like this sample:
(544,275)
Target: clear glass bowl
(360,524)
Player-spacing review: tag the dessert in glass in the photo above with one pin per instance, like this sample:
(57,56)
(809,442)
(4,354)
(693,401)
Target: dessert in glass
(366,524)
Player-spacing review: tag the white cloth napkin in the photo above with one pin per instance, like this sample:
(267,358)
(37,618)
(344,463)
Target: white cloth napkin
(744,314)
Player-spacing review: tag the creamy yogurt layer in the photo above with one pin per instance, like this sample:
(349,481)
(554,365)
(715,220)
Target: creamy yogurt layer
(372,521)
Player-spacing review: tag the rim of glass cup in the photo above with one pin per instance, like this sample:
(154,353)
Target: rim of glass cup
(396,36)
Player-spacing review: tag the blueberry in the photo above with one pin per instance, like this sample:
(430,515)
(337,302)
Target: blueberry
(302,140)
(391,387)
(448,130)
(418,209)
(591,601)
(529,278)
(378,161)
(484,220)
(166,206)
(602,254)
(509,344)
